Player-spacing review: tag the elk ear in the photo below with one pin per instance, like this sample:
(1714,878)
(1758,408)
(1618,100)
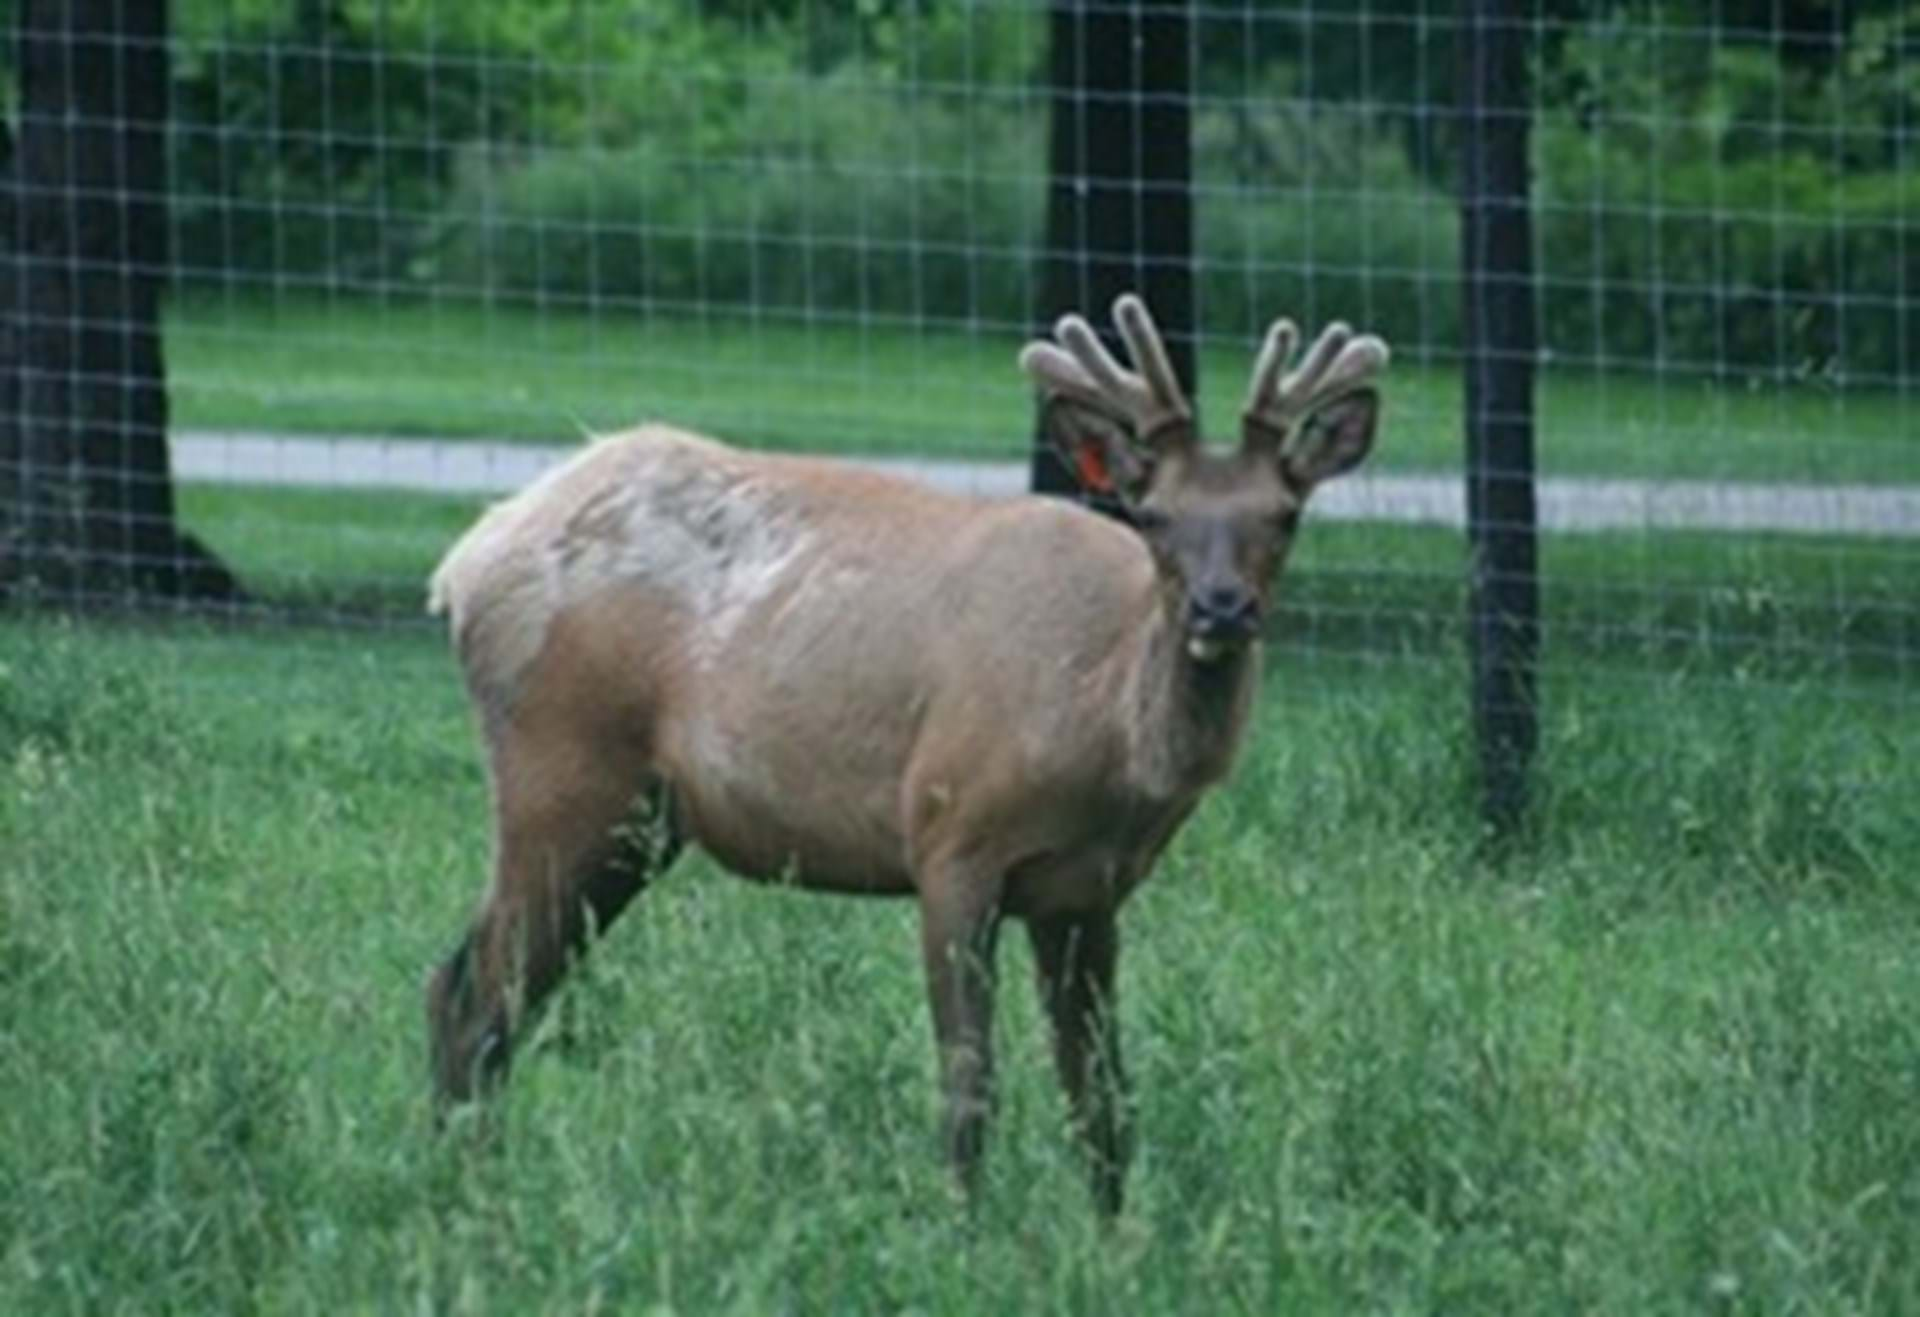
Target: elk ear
(1097,449)
(1333,440)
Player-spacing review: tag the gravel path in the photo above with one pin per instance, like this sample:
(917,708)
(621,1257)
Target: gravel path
(480,467)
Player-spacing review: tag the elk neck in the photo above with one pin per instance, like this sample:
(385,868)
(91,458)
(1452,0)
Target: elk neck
(1186,718)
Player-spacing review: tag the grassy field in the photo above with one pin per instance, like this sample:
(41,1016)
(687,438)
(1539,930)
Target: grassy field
(1663,1059)
(347,367)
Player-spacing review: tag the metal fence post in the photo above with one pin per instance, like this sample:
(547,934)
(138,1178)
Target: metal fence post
(1499,348)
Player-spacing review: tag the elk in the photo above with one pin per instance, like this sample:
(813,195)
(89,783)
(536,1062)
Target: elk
(842,680)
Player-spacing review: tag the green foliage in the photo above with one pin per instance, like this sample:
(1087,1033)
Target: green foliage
(829,193)
(864,197)
(323,139)
(1706,197)
(316,138)
(1705,202)
(1316,210)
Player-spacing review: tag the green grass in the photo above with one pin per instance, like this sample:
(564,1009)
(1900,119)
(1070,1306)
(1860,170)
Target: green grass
(1663,1060)
(354,549)
(420,368)
(1780,605)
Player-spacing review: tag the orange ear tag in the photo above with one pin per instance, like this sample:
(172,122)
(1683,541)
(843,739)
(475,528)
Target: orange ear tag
(1093,468)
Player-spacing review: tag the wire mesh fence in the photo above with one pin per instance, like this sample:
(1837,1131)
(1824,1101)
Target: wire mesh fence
(397,257)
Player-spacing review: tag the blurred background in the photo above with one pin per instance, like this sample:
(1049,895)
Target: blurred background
(365,262)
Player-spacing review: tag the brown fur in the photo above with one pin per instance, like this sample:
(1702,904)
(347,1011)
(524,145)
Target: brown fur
(853,683)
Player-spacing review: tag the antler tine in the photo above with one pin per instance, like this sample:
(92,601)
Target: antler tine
(1080,366)
(1057,372)
(1150,355)
(1338,362)
(1282,339)
(1109,375)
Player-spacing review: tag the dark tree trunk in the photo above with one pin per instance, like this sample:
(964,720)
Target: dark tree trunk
(1496,234)
(1120,185)
(86,489)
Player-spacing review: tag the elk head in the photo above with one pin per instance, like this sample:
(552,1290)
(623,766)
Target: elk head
(1219,523)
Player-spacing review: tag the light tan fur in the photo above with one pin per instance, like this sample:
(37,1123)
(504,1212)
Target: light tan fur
(855,710)
(847,681)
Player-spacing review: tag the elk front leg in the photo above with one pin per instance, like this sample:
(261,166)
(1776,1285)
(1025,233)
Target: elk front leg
(959,924)
(1075,958)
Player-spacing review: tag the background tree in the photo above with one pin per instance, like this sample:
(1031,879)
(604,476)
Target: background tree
(86,490)
(1120,177)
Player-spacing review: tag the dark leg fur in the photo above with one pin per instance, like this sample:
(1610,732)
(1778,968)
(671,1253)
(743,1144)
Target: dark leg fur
(1076,959)
(517,952)
(467,1046)
(959,926)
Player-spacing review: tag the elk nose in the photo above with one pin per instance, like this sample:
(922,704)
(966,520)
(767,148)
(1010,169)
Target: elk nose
(1225,609)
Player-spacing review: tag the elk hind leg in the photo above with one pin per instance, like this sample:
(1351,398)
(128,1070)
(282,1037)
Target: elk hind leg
(567,863)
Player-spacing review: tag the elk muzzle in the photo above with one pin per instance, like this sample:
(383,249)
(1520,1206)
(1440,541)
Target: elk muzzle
(1221,619)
